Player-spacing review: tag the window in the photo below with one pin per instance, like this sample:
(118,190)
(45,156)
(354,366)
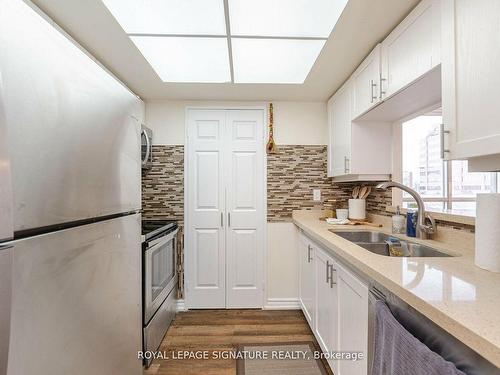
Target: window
(443,185)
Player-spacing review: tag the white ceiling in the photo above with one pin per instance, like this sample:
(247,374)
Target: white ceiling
(362,24)
(229,41)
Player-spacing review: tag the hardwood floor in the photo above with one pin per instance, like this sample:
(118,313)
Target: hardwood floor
(224,330)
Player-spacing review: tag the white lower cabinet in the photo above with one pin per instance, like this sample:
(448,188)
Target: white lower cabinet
(326,328)
(352,321)
(335,303)
(307,290)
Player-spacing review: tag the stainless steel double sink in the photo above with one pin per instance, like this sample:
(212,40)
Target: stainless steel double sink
(381,243)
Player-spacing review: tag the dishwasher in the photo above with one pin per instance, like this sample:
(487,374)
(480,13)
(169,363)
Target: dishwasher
(428,333)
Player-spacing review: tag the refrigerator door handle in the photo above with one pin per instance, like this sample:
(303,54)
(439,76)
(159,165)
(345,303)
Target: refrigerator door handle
(6,209)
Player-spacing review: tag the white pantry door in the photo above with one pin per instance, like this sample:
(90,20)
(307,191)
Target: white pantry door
(205,235)
(245,208)
(225,210)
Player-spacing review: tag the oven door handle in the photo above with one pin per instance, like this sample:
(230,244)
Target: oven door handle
(162,240)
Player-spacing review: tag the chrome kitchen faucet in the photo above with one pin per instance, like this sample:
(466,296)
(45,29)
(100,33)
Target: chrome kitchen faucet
(424,230)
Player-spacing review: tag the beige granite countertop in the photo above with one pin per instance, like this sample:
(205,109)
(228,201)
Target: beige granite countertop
(454,293)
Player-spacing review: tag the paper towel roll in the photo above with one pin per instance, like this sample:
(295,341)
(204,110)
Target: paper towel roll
(488,232)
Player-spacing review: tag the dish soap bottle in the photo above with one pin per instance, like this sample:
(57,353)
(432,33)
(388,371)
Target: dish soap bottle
(398,222)
(411,223)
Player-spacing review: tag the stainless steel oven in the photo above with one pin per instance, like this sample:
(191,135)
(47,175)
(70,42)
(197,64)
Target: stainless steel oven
(160,274)
(159,280)
(146,147)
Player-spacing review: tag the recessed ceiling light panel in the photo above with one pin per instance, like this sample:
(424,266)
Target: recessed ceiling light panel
(284,18)
(182,59)
(189,17)
(274,60)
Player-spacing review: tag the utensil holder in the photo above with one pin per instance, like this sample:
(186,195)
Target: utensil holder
(357,209)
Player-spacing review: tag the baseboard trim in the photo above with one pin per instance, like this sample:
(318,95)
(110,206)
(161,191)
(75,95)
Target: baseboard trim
(180,305)
(271,304)
(282,304)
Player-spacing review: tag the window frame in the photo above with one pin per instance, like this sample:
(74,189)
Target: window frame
(397,163)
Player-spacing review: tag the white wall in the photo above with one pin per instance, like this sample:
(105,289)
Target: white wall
(282,283)
(295,123)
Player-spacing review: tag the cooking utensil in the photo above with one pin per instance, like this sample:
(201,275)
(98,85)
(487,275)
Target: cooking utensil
(355,192)
(365,192)
(369,191)
(362,192)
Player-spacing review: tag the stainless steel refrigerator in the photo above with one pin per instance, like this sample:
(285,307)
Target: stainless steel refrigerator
(70,252)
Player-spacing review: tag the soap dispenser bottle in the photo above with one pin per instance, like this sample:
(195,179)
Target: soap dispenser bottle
(398,222)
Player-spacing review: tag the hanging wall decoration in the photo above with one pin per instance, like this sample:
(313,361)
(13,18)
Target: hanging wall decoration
(271,145)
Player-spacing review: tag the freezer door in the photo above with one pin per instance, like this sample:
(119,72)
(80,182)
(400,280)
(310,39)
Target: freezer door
(76,301)
(5,296)
(74,136)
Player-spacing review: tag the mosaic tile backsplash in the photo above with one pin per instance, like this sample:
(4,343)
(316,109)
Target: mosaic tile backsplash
(292,174)
(163,184)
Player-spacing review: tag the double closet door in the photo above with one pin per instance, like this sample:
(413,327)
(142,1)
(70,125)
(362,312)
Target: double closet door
(225,208)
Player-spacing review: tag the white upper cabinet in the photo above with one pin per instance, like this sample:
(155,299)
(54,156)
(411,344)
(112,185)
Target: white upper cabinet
(339,109)
(471,80)
(412,48)
(401,71)
(356,151)
(366,84)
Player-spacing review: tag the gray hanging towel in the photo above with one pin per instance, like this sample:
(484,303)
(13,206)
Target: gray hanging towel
(398,352)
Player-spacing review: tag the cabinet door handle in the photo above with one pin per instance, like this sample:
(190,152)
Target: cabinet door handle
(229,219)
(443,132)
(373,85)
(346,164)
(332,270)
(309,254)
(382,92)
(222,220)
(328,274)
